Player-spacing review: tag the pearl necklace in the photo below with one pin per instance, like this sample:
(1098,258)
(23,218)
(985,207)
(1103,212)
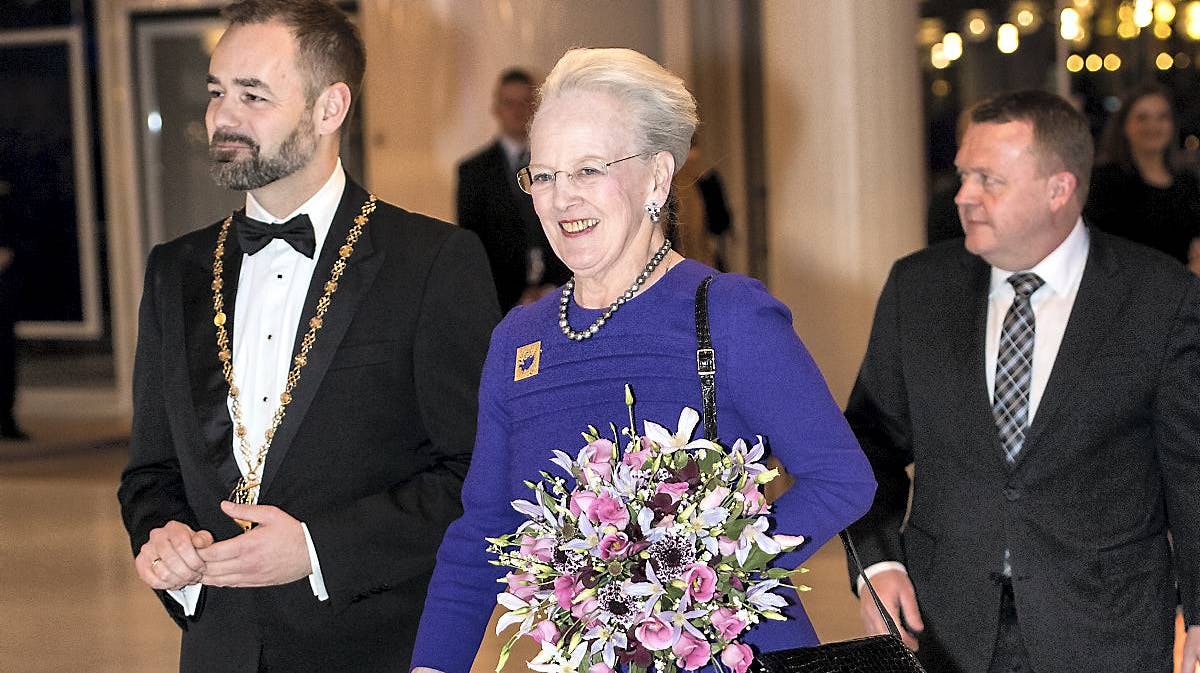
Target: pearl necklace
(612,308)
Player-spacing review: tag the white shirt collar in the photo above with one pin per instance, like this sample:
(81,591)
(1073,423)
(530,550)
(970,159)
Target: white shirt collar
(320,207)
(512,149)
(1062,269)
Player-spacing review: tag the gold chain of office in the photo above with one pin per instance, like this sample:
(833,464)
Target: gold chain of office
(246,490)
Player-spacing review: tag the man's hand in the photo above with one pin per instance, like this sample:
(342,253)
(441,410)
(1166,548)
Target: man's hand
(896,592)
(170,559)
(1191,650)
(273,552)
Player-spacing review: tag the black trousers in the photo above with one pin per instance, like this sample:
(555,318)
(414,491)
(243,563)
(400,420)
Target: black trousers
(1009,656)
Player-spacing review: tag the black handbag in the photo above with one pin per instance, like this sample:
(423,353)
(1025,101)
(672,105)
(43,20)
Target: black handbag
(872,654)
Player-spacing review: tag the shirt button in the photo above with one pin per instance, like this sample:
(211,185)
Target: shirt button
(279,275)
(264,398)
(268,337)
(1012,494)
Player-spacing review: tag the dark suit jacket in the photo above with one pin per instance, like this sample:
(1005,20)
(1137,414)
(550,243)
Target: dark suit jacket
(491,205)
(1112,456)
(371,454)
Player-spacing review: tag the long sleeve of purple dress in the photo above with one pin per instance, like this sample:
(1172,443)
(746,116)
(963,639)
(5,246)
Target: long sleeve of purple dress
(767,384)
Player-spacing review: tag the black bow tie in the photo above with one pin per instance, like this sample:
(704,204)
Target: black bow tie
(254,235)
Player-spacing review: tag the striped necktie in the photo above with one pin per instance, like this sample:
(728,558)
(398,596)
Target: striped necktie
(1014,366)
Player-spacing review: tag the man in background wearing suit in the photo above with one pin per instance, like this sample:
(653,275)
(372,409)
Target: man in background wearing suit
(1044,385)
(492,205)
(305,379)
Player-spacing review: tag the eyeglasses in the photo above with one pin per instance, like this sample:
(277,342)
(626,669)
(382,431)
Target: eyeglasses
(586,175)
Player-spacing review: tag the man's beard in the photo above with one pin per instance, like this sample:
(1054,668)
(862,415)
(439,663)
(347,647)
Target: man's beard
(257,170)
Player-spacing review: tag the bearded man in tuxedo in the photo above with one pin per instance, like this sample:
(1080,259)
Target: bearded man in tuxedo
(305,380)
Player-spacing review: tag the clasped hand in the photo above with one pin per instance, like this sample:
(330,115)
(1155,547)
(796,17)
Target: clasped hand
(273,552)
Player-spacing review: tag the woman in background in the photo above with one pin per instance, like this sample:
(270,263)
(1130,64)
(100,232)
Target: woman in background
(1138,190)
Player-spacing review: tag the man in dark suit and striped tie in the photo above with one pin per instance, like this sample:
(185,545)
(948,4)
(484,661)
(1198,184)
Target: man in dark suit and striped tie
(1044,385)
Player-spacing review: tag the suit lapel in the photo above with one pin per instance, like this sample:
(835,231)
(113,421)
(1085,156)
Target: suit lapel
(967,348)
(210,392)
(1101,294)
(361,268)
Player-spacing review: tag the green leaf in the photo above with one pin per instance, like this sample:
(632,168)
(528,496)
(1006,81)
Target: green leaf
(709,462)
(733,529)
(735,511)
(757,560)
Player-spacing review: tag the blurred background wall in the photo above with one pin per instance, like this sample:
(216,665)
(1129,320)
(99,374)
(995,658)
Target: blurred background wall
(831,124)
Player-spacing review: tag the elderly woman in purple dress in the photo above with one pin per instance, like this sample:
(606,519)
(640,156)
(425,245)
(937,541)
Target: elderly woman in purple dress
(612,129)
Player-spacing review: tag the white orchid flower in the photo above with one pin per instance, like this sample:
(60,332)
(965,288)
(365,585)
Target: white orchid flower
(682,620)
(755,534)
(682,438)
(748,459)
(789,542)
(565,461)
(527,508)
(760,596)
(518,611)
(553,661)
(650,532)
(586,540)
(509,618)
(605,641)
(624,482)
(713,517)
(651,590)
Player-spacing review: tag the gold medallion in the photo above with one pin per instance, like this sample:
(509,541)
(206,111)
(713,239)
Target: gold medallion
(244,493)
(529,357)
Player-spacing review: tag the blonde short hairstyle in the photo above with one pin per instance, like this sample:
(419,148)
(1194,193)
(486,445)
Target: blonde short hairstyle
(662,110)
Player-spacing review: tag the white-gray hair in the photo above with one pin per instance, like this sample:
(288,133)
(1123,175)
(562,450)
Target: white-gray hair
(662,109)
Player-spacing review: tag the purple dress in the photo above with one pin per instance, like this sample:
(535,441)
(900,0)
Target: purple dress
(767,384)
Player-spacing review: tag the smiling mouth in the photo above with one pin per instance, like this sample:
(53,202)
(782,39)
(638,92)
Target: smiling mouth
(578,226)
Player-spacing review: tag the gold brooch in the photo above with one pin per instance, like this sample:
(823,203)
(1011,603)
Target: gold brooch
(529,357)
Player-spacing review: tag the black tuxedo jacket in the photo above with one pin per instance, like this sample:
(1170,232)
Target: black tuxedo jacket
(371,454)
(491,205)
(1109,465)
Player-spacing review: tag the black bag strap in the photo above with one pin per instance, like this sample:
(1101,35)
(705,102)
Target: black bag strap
(706,367)
(852,556)
(706,361)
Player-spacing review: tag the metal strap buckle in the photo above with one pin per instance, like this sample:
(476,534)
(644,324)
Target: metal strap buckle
(706,362)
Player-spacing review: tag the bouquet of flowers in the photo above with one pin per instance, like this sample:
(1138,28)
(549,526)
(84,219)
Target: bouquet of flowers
(656,554)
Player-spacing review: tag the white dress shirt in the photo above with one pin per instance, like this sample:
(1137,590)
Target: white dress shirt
(513,150)
(1062,270)
(272,286)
